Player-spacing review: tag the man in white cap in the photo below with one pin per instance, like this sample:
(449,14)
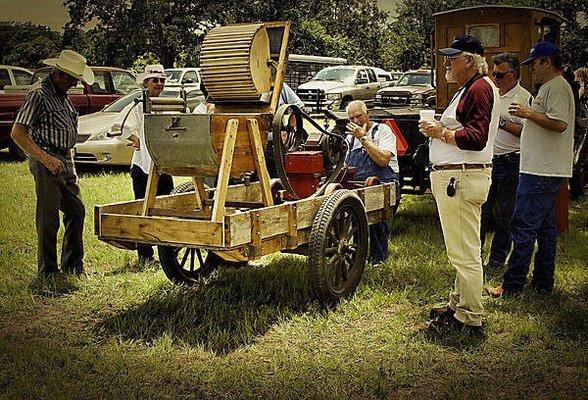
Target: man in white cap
(46,128)
(153,80)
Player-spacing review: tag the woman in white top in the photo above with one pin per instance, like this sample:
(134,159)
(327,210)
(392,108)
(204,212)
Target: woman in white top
(153,79)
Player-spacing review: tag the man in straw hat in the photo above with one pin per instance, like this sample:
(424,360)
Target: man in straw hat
(46,128)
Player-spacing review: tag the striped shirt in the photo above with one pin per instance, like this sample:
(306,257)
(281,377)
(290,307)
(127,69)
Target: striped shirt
(50,117)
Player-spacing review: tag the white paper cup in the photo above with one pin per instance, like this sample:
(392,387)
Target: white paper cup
(427,116)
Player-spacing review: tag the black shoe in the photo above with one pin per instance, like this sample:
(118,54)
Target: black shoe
(450,325)
(441,312)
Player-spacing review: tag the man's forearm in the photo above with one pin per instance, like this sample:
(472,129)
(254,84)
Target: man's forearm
(20,136)
(380,157)
(547,123)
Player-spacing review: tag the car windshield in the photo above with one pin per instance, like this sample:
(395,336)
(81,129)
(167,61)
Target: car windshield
(121,103)
(336,74)
(173,74)
(414,80)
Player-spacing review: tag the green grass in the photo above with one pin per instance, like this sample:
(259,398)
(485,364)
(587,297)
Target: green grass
(126,332)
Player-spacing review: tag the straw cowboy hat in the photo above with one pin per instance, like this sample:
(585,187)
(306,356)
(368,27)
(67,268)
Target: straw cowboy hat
(73,64)
(151,71)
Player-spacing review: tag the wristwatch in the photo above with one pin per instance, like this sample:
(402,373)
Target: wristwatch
(363,139)
(502,123)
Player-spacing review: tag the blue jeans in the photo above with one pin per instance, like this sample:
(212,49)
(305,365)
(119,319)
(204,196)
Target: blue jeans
(502,194)
(366,167)
(533,219)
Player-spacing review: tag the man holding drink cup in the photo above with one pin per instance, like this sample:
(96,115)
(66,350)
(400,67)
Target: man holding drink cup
(461,153)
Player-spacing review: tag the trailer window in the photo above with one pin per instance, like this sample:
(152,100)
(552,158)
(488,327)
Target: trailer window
(489,35)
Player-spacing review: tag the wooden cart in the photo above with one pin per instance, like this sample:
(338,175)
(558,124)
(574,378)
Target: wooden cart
(198,229)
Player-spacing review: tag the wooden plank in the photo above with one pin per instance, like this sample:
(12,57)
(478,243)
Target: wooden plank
(292,235)
(280,68)
(158,230)
(151,189)
(255,231)
(259,158)
(198,198)
(220,197)
(238,228)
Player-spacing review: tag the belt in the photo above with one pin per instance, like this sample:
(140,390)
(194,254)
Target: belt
(55,150)
(460,166)
(507,155)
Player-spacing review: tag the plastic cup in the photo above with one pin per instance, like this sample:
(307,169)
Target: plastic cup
(427,116)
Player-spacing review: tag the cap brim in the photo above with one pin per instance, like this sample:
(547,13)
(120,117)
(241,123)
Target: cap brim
(449,51)
(529,61)
(142,77)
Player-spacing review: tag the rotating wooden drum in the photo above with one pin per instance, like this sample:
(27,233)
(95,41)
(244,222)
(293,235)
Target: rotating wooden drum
(234,61)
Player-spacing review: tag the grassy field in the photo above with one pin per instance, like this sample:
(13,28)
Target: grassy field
(254,333)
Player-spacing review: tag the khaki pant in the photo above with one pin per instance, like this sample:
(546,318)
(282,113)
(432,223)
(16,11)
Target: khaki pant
(460,221)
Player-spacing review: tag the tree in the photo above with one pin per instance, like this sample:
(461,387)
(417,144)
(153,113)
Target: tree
(27,44)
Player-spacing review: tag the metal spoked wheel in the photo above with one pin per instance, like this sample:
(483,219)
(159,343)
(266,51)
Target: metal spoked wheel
(186,265)
(338,246)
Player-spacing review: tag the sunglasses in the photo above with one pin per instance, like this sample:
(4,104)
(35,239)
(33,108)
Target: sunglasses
(158,80)
(500,75)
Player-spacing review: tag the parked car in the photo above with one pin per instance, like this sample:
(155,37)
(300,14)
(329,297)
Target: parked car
(414,88)
(335,87)
(110,84)
(14,76)
(98,133)
(183,77)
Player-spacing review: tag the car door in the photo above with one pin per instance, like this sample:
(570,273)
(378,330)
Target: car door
(373,84)
(362,83)
(102,91)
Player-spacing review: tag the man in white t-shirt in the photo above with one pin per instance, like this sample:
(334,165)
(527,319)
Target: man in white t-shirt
(546,159)
(372,150)
(505,163)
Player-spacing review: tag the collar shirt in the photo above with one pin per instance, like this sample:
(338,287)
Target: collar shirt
(383,138)
(50,117)
(506,142)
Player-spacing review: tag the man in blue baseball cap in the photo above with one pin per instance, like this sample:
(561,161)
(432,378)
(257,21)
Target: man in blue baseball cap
(546,159)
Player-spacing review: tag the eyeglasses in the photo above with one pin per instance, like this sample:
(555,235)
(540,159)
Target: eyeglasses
(500,75)
(158,80)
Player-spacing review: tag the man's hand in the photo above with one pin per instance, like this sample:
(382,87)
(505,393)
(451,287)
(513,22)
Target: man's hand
(519,110)
(134,142)
(432,129)
(356,130)
(54,164)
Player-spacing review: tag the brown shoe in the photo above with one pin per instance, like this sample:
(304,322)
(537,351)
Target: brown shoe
(495,292)
(440,312)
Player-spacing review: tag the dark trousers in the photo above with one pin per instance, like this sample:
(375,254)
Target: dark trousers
(533,219)
(58,193)
(501,197)
(165,185)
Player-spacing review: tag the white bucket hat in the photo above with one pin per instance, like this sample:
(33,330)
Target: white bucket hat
(73,64)
(151,71)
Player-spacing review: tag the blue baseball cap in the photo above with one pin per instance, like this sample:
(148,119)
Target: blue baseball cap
(541,49)
(460,43)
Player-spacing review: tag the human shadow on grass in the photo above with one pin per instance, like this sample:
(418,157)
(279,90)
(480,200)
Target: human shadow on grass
(229,310)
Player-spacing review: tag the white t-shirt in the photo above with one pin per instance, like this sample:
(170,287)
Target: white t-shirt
(545,152)
(384,139)
(506,142)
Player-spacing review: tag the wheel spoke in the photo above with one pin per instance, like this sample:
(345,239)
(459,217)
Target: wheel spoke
(192,260)
(200,259)
(184,257)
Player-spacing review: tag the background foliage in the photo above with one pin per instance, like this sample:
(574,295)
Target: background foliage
(125,33)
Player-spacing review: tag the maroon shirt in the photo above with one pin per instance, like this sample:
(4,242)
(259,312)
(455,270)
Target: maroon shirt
(473,112)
